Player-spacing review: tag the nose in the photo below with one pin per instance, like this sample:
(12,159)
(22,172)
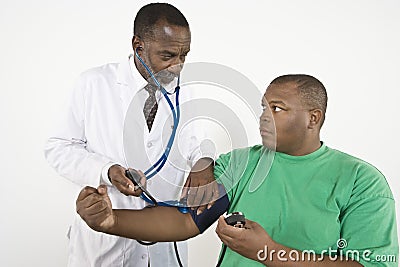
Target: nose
(176,68)
(177,64)
(265,119)
(266,116)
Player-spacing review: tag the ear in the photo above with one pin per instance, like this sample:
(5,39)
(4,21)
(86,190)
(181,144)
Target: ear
(137,43)
(315,118)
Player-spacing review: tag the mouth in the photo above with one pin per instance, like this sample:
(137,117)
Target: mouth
(265,132)
(167,77)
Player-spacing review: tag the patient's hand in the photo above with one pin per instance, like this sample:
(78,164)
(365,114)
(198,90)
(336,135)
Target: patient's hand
(94,207)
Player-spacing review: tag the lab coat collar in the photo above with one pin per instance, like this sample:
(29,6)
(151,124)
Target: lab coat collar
(128,75)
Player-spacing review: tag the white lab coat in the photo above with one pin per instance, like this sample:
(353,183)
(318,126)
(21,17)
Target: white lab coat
(89,139)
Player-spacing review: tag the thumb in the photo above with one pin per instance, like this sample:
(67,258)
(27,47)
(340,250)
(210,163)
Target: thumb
(251,224)
(102,189)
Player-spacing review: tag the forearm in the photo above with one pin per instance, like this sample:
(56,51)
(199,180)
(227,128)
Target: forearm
(277,255)
(72,160)
(154,224)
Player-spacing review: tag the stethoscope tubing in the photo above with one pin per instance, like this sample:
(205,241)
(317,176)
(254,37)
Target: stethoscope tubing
(156,167)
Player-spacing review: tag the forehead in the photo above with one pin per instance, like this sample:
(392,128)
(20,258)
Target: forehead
(285,92)
(171,35)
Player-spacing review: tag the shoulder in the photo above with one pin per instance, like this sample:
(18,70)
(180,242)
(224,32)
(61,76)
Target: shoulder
(105,71)
(240,154)
(238,160)
(368,180)
(96,79)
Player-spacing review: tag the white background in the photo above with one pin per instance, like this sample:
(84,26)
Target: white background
(351,46)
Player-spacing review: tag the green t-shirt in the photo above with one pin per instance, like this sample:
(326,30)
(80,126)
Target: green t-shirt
(310,202)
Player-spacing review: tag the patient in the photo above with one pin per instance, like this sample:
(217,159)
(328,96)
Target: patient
(313,198)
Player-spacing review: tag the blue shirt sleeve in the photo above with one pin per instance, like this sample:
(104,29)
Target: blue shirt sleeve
(209,216)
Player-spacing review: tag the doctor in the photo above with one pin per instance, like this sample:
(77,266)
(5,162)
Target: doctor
(87,147)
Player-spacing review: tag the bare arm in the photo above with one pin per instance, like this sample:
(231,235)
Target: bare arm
(154,224)
(149,224)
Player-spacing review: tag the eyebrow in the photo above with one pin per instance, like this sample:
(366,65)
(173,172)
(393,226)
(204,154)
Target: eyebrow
(173,52)
(263,102)
(168,52)
(277,102)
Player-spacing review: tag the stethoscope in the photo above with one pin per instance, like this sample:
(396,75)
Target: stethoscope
(156,167)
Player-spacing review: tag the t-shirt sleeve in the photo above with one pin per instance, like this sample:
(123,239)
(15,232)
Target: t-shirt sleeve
(223,173)
(368,222)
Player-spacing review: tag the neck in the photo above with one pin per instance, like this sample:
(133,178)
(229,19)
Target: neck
(306,147)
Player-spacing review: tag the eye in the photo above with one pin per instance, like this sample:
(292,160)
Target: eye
(263,107)
(276,109)
(167,56)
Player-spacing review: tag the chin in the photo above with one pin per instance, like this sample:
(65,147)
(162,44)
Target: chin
(165,80)
(269,143)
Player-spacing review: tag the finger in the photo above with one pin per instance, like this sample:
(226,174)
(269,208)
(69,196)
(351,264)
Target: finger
(200,209)
(123,180)
(116,172)
(220,230)
(127,190)
(228,230)
(102,189)
(208,195)
(142,183)
(215,195)
(90,200)
(96,208)
(195,197)
(191,196)
(198,200)
(86,191)
(250,224)
(185,188)
(142,179)
(124,185)
(137,192)
(220,224)
(87,202)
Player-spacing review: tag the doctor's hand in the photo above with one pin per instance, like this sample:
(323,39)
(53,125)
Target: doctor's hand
(246,241)
(201,189)
(116,174)
(94,207)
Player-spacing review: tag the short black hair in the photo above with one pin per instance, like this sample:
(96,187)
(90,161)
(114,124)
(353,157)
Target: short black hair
(311,90)
(148,16)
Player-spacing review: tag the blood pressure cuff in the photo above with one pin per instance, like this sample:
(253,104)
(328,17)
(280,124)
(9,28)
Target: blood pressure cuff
(209,216)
